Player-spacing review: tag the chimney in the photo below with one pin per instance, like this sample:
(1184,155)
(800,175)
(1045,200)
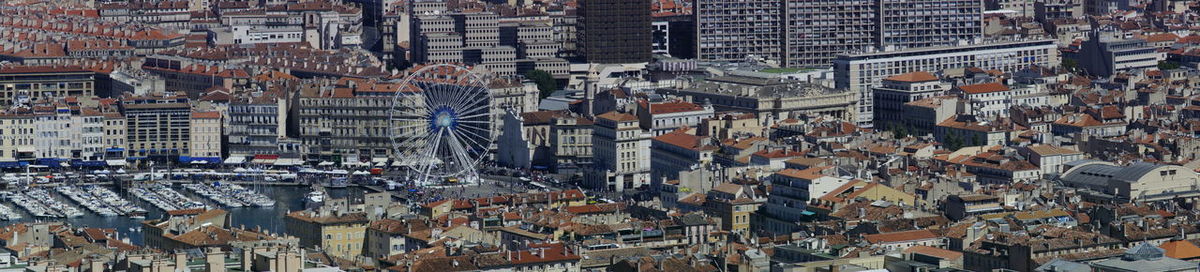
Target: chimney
(247,260)
(180,260)
(215,260)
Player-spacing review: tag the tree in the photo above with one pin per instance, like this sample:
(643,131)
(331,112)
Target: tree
(1070,64)
(545,82)
(953,142)
(898,131)
(1168,65)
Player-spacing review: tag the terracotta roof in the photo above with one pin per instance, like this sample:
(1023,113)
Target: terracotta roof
(1181,249)
(617,116)
(206,115)
(674,107)
(934,252)
(800,174)
(983,88)
(681,139)
(1049,150)
(900,236)
(918,76)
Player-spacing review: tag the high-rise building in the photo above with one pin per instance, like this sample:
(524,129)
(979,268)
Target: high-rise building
(907,24)
(614,31)
(817,30)
(734,30)
(810,33)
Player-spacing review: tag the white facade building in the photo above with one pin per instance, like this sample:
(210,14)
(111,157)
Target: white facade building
(860,73)
(621,153)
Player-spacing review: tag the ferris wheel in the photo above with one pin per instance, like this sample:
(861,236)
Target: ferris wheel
(442,123)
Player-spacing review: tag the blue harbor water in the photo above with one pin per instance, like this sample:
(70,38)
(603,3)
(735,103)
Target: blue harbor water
(287,198)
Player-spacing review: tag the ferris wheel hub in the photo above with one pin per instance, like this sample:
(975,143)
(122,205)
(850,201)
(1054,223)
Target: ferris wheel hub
(444,118)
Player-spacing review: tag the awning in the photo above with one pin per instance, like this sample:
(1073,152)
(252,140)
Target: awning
(265,159)
(25,149)
(397,164)
(204,160)
(235,160)
(115,162)
(13,164)
(379,160)
(82,163)
(288,162)
(325,163)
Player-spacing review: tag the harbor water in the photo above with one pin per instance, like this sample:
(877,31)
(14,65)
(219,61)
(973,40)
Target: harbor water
(287,198)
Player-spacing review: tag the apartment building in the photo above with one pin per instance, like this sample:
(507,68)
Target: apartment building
(30,84)
(345,123)
(571,138)
(256,125)
(895,91)
(810,33)
(340,235)
(205,137)
(817,30)
(158,127)
(52,128)
(16,143)
(115,132)
(860,73)
(621,153)
(734,31)
(906,24)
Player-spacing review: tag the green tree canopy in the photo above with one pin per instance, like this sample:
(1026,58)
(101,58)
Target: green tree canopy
(545,82)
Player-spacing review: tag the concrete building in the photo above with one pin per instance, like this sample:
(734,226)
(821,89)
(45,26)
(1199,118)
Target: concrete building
(30,84)
(1139,182)
(860,73)
(815,31)
(907,24)
(959,207)
(614,31)
(735,31)
(158,127)
(769,98)
(621,153)
(895,91)
(1104,54)
(206,138)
